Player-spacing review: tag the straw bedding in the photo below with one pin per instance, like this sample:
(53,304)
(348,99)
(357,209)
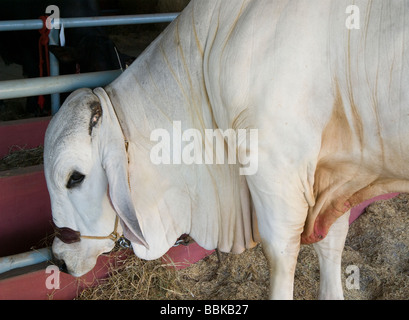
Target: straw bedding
(377,243)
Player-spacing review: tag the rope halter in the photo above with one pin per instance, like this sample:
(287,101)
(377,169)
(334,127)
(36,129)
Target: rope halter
(69,236)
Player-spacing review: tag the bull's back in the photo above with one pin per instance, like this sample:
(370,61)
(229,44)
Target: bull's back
(371,75)
(281,62)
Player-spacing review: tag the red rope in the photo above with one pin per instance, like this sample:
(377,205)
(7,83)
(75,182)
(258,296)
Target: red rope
(43,44)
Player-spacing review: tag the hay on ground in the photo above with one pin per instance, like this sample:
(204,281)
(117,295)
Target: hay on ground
(377,244)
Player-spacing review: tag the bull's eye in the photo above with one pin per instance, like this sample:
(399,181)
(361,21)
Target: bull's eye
(75,179)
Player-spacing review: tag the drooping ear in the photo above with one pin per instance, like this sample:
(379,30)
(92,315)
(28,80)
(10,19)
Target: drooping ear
(115,163)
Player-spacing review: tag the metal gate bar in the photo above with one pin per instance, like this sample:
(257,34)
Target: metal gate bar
(36,24)
(49,85)
(29,87)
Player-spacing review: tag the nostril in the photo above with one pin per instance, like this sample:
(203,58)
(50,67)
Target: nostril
(60,264)
(63,267)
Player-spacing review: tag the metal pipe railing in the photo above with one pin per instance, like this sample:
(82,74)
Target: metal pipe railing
(36,24)
(25,259)
(7,89)
(53,39)
(49,85)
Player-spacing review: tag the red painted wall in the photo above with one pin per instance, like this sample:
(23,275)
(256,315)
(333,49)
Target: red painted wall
(25,210)
(28,133)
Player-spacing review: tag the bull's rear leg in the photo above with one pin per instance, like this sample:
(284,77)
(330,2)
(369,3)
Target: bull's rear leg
(329,252)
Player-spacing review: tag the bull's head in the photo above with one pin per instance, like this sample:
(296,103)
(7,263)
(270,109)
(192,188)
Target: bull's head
(86,169)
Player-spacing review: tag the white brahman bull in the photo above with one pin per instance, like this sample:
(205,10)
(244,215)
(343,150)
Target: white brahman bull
(330,103)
